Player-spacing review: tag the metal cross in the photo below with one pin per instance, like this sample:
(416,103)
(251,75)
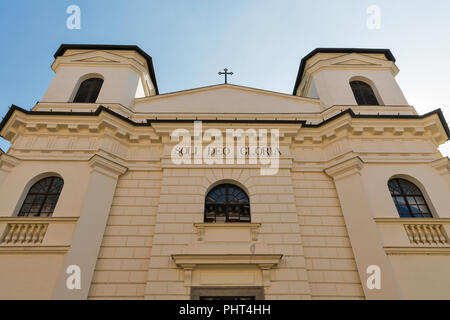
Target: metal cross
(226,73)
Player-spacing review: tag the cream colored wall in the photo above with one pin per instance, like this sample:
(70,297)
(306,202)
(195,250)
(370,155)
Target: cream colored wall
(181,205)
(144,238)
(119,84)
(299,218)
(122,265)
(17,183)
(333,86)
(328,76)
(434,188)
(29,276)
(226,99)
(332,271)
(422,276)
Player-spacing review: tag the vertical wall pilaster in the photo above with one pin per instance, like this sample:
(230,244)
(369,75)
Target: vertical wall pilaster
(362,229)
(90,228)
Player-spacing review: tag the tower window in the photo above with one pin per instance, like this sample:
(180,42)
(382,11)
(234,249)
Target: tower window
(89,91)
(42,198)
(227,203)
(364,94)
(408,199)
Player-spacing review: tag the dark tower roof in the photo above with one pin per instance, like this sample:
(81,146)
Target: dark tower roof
(62,49)
(301,69)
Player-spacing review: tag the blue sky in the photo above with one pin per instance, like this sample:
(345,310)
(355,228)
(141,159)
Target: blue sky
(261,41)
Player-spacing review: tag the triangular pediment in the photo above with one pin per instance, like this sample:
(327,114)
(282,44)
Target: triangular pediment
(97,59)
(348,60)
(226,99)
(355,62)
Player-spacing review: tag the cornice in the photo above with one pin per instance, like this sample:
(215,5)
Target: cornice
(266,260)
(432,124)
(190,261)
(417,251)
(39,219)
(33,250)
(412,220)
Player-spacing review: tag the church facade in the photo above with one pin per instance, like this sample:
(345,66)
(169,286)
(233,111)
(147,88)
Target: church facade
(111,190)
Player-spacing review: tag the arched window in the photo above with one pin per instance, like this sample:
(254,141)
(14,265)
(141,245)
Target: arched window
(42,198)
(227,203)
(364,94)
(89,90)
(408,199)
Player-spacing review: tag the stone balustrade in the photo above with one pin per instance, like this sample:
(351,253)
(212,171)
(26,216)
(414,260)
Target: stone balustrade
(426,234)
(24,233)
(414,232)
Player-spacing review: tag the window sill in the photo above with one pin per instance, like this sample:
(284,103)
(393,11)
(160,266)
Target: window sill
(213,231)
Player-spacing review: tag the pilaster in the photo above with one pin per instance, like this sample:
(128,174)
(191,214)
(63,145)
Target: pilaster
(90,228)
(362,229)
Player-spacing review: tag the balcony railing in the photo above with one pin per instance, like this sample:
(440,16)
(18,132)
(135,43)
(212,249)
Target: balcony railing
(24,233)
(40,233)
(416,233)
(426,234)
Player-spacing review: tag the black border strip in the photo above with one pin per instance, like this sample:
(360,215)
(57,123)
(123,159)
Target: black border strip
(64,47)
(304,123)
(388,54)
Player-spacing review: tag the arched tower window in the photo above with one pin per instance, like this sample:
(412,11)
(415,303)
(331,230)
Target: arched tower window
(364,94)
(408,199)
(42,198)
(88,91)
(227,203)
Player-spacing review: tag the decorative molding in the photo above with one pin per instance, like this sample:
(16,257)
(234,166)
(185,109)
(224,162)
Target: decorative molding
(226,259)
(413,220)
(417,250)
(346,168)
(190,261)
(51,220)
(24,234)
(442,165)
(252,227)
(8,162)
(34,250)
(106,166)
(426,234)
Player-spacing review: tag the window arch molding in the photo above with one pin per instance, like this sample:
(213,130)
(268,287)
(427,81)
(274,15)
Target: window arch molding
(82,79)
(419,185)
(226,181)
(368,82)
(30,184)
(244,209)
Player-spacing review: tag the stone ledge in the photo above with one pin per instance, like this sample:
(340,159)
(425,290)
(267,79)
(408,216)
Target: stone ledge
(417,251)
(226,259)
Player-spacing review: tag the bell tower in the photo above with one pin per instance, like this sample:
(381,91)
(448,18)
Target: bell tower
(100,74)
(349,77)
